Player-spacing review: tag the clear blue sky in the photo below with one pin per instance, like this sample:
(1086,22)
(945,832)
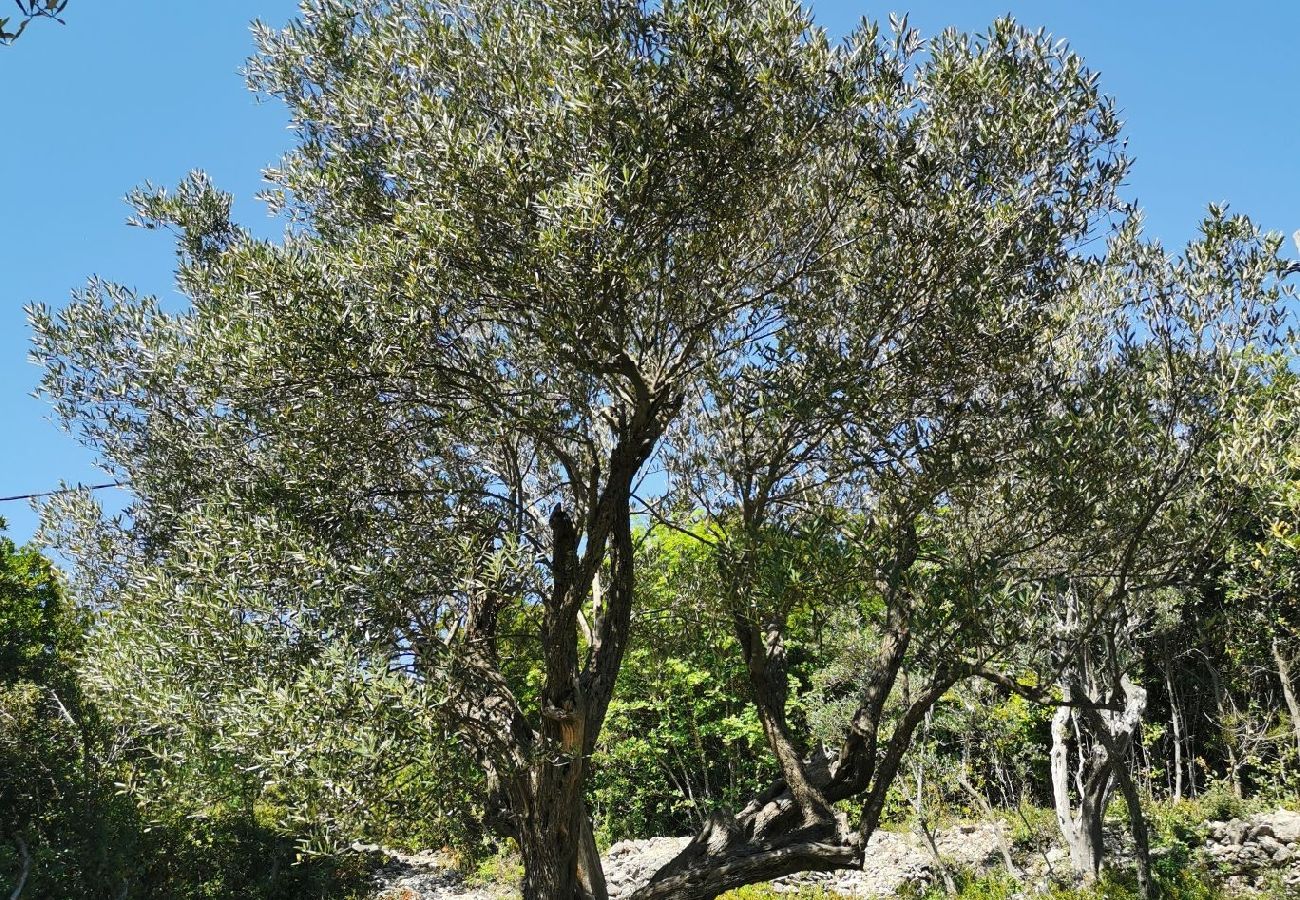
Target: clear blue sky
(147,90)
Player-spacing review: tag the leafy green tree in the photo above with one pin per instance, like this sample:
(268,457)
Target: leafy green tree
(839,298)
(63,833)
(682,741)
(41,750)
(66,829)
(1257,609)
(40,634)
(1168,476)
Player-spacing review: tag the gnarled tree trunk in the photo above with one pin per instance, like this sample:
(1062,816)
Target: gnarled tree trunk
(1103,737)
(1081,829)
(794,826)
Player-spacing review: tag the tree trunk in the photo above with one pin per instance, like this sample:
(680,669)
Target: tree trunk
(1176,723)
(591,874)
(1288,690)
(1114,733)
(1085,841)
(1138,825)
(1081,830)
(26,868)
(722,858)
(772,836)
(550,868)
(558,849)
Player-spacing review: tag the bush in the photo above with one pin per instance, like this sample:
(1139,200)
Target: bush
(994,886)
(1220,803)
(1032,827)
(767,892)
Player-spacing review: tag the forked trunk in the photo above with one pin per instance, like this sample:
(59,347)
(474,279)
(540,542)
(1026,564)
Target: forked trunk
(1100,768)
(1081,830)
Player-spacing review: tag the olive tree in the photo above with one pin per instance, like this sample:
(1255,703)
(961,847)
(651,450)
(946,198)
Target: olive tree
(1174,383)
(554,267)
(518,230)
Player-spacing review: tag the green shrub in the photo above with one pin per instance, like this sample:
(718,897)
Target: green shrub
(767,892)
(970,886)
(1219,802)
(505,867)
(1032,827)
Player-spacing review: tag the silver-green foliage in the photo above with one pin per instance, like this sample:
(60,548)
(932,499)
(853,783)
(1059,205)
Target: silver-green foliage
(537,250)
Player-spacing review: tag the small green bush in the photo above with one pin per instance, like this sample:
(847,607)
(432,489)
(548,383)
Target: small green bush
(1032,827)
(970,886)
(504,867)
(1219,802)
(767,892)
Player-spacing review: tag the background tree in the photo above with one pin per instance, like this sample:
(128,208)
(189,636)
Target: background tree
(1166,472)
(682,741)
(41,744)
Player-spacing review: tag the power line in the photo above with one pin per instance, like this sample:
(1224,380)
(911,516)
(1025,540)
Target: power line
(70,490)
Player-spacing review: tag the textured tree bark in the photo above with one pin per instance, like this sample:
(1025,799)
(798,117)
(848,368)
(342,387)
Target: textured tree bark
(1081,830)
(550,854)
(718,861)
(1117,733)
(1098,773)
(537,775)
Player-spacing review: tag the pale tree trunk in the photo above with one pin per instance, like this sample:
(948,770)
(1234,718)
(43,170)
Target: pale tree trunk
(1288,689)
(1097,773)
(1117,732)
(26,868)
(1082,829)
(1176,725)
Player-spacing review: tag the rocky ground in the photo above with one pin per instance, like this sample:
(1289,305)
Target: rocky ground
(1245,852)
(1248,852)
(427,876)
(892,860)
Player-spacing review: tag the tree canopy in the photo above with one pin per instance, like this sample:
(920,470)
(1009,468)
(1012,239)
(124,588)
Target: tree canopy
(870,322)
